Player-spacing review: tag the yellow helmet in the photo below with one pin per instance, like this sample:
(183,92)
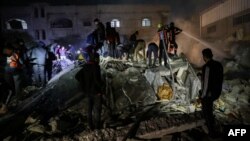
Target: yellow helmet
(159,25)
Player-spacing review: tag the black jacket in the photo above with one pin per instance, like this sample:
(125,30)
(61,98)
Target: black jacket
(212,79)
(90,78)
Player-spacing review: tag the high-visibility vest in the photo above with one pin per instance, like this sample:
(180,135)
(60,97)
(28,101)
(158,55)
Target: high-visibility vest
(80,57)
(14,61)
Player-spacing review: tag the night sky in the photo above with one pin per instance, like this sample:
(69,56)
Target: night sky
(180,8)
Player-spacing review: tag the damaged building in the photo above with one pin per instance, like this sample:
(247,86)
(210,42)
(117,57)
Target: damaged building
(226,19)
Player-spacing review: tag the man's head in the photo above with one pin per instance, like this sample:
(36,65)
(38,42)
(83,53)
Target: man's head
(108,24)
(207,54)
(159,26)
(92,54)
(172,24)
(18,44)
(96,20)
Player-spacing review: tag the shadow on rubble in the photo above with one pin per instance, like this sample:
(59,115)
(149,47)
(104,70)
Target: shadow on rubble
(38,115)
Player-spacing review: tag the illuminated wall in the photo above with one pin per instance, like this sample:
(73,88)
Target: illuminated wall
(46,22)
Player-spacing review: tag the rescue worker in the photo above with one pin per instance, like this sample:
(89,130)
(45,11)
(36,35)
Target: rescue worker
(162,33)
(212,79)
(14,71)
(80,56)
(5,91)
(112,39)
(152,48)
(141,46)
(39,56)
(49,63)
(90,80)
(99,33)
(133,39)
(62,52)
(173,31)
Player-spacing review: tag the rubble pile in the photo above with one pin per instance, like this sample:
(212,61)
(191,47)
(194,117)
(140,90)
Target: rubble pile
(138,101)
(233,104)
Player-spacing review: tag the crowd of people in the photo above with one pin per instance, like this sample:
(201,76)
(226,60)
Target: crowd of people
(107,40)
(23,66)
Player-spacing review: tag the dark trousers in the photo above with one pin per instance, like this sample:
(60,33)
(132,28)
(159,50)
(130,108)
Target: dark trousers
(112,50)
(4,90)
(94,111)
(174,46)
(48,70)
(154,50)
(162,53)
(15,79)
(39,75)
(207,110)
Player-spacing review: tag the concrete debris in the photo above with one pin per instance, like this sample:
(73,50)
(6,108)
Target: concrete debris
(37,128)
(234,101)
(242,56)
(30,89)
(148,129)
(130,90)
(112,63)
(53,124)
(31,120)
(231,66)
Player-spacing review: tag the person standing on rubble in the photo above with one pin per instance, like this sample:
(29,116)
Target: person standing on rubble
(112,38)
(133,39)
(99,33)
(50,57)
(162,32)
(173,31)
(212,79)
(152,48)
(14,69)
(90,80)
(5,90)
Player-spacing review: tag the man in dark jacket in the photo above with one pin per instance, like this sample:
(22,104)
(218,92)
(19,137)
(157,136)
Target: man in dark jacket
(212,79)
(112,38)
(99,33)
(133,39)
(90,80)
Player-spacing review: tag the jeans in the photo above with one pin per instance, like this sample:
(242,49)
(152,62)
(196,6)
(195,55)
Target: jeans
(154,50)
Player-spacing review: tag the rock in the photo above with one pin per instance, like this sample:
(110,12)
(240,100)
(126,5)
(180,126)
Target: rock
(37,128)
(30,120)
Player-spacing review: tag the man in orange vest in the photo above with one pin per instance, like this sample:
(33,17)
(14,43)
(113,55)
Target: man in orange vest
(14,71)
(5,91)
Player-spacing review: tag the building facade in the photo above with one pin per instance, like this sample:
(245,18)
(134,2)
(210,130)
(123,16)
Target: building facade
(47,22)
(227,19)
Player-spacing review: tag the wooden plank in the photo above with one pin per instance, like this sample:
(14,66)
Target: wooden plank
(174,129)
